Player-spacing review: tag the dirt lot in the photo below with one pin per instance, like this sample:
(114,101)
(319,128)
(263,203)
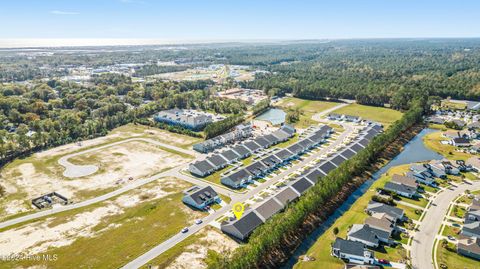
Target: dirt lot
(36,175)
(132,222)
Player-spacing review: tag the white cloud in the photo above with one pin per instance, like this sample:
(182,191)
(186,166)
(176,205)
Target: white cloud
(61,12)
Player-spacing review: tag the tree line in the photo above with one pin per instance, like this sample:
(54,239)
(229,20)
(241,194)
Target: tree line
(217,128)
(271,236)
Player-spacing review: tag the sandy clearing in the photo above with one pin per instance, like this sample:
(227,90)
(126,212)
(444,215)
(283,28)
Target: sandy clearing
(195,254)
(133,159)
(36,238)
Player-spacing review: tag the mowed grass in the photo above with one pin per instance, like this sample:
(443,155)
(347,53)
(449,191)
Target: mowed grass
(454,260)
(139,229)
(433,142)
(385,116)
(307,108)
(355,215)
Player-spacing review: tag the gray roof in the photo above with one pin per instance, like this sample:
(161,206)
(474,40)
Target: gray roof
(271,161)
(295,148)
(271,138)
(269,208)
(252,146)
(301,185)
(367,233)
(217,160)
(203,166)
(327,167)
(363,142)
(284,154)
(349,247)
(370,134)
(202,194)
(286,195)
(288,129)
(230,155)
(257,168)
(243,226)
(356,148)
(337,160)
(240,149)
(280,135)
(314,175)
(238,176)
(392,186)
(347,153)
(262,142)
(306,143)
(376,207)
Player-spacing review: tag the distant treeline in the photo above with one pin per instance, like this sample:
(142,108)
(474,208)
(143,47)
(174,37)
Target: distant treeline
(270,239)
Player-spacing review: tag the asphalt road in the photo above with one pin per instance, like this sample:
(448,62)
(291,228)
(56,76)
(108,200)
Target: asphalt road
(422,244)
(166,245)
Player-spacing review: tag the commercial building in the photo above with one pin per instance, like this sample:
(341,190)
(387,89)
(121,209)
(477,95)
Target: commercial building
(190,119)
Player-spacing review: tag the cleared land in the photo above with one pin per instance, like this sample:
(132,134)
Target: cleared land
(105,235)
(355,215)
(192,252)
(385,116)
(307,108)
(27,178)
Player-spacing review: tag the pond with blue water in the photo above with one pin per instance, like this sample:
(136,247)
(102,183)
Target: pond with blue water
(273,115)
(414,151)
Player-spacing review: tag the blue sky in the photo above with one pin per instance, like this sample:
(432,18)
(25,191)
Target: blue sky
(241,19)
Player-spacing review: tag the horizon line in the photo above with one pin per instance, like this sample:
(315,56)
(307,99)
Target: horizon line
(16,43)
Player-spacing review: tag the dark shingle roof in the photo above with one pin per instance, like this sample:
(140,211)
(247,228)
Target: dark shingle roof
(286,195)
(271,161)
(301,185)
(256,168)
(262,142)
(252,146)
(284,154)
(363,142)
(391,186)
(269,208)
(203,166)
(295,148)
(271,139)
(281,135)
(349,247)
(202,194)
(327,167)
(356,148)
(238,176)
(217,160)
(314,175)
(230,155)
(347,153)
(244,226)
(240,149)
(337,160)
(383,208)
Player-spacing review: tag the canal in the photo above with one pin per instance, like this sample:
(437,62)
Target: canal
(414,151)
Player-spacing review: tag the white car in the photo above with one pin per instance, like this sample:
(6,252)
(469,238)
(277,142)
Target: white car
(198,221)
(185,230)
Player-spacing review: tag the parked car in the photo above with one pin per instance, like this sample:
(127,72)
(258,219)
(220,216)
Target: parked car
(451,238)
(383,261)
(185,230)
(198,221)
(456,225)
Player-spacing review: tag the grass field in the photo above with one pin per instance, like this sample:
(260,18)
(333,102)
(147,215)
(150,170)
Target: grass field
(454,260)
(307,107)
(355,215)
(118,238)
(386,116)
(433,142)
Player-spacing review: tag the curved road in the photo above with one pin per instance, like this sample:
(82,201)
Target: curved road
(73,170)
(423,240)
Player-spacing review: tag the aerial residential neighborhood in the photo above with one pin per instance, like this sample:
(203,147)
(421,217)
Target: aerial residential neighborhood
(239,134)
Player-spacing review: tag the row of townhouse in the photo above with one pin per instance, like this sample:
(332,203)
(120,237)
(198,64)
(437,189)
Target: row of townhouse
(241,151)
(240,132)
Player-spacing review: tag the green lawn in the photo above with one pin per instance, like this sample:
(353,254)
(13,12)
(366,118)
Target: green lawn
(386,116)
(433,142)
(307,108)
(217,176)
(418,201)
(139,228)
(458,212)
(429,189)
(355,215)
(454,260)
(410,212)
(450,231)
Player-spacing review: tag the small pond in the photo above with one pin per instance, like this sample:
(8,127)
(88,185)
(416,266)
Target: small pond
(273,115)
(414,151)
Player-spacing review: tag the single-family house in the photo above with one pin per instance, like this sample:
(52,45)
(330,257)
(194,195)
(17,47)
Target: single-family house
(200,197)
(400,189)
(367,235)
(352,251)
